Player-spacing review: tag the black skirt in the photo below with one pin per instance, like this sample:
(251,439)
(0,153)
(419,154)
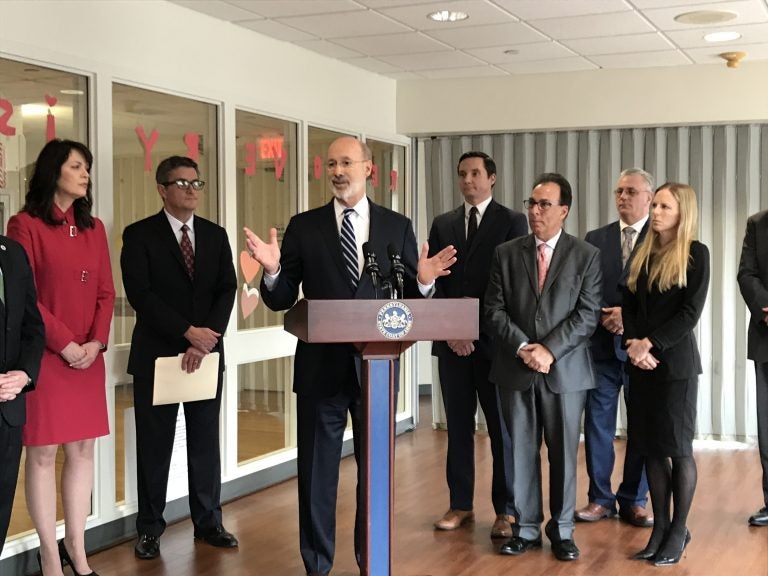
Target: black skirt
(662,416)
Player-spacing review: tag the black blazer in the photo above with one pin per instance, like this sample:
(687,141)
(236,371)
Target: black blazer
(166,301)
(562,317)
(604,345)
(23,339)
(469,275)
(753,283)
(311,257)
(667,319)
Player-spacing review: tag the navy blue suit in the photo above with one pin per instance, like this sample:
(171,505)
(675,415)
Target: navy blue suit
(326,376)
(603,401)
(464,379)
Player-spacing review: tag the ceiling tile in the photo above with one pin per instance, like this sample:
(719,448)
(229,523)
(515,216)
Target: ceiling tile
(480,12)
(549,66)
(430,60)
(750,34)
(643,60)
(345,24)
(279,8)
(615,24)
(540,9)
(489,35)
(329,49)
(373,64)
(392,3)
(648,4)
(653,42)
(406,76)
(467,72)
(276,30)
(749,12)
(537,51)
(217,9)
(386,44)
(709,55)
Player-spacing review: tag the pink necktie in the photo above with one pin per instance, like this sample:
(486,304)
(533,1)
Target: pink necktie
(543,266)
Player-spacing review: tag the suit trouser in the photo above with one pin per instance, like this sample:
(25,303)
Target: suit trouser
(527,415)
(10,457)
(599,432)
(320,427)
(155,432)
(464,381)
(761,399)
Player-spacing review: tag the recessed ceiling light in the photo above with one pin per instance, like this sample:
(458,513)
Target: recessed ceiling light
(447,16)
(71,92)
(721,36)
(706,17)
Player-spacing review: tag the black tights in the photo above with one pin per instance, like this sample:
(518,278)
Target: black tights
(670,481)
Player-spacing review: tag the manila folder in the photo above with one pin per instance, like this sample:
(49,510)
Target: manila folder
(174,385)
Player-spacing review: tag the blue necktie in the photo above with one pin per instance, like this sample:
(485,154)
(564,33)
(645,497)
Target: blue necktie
(349,247)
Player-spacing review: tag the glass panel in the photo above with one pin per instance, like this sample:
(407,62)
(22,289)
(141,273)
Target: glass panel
(148,127)
(319,140)
(267,192)
(266,417)
(386,186)
(36,105)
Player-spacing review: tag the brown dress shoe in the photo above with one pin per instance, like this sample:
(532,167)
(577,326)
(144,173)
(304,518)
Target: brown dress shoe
(502,526)
(593,512)
(454,519)
(636,515)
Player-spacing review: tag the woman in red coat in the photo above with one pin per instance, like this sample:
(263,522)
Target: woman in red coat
(68,251)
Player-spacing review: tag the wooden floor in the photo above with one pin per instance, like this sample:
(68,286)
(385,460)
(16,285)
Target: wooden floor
(266,524)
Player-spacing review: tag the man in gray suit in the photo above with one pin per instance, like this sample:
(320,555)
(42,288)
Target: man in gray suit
(542,305)
(753,282)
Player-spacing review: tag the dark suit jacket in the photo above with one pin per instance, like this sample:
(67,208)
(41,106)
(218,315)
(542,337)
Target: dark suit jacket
(23,339)
(753,282)
(469,275)
(311,257)
(166,301)
(562,318)
(604,345)
(667,319)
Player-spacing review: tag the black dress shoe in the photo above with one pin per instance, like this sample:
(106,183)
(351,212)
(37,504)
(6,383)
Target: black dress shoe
(147,548)
(516,546)
(565,550)
(671,558)
(219,537)
(760,518)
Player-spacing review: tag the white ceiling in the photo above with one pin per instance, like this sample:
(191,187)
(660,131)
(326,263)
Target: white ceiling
(396,39)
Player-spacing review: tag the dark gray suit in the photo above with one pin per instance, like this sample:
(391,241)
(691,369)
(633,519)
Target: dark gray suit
(562,318)
(753,282)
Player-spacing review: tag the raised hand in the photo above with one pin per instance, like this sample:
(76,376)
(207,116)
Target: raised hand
(265,253)
(430,269)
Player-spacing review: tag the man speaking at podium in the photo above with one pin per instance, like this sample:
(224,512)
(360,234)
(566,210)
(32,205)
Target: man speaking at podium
(322,252)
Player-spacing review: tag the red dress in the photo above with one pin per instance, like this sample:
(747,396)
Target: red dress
(76,297)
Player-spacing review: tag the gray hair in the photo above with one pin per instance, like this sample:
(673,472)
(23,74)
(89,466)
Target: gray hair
(647,176)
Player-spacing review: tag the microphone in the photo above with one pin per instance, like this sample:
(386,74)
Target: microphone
(371,267)
(398,270)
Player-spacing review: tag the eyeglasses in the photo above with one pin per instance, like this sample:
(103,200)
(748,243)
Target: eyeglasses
(183,184)
(542,204)
(632,192)
(331,164)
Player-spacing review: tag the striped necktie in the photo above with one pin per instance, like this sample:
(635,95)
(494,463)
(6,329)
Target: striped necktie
(349,247)
(627,244)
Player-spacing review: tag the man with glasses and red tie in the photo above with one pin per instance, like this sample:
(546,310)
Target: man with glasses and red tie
(322,252)
(617,241)
(179,277)
(542,305)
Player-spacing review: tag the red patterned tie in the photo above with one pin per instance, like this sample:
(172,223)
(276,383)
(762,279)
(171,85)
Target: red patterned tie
(187,251)
(543,265)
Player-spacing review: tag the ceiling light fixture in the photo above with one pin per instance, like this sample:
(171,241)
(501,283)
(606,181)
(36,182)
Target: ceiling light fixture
(706,17)
(721,36)
(447,16)
(733,59)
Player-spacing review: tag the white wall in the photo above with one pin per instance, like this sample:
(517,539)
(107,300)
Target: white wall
(593,99)
(164,45)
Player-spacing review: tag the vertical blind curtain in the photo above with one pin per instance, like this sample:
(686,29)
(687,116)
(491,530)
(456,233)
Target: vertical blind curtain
(727,165)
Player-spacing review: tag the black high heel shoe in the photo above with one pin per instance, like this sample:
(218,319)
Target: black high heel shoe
(669,559)
(65,559)
(40,563)
(651,550)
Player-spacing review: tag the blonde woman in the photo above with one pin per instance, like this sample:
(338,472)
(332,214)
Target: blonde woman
(665,293)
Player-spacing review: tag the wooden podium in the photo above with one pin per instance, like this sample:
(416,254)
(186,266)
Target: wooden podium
(381,330)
